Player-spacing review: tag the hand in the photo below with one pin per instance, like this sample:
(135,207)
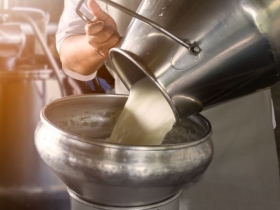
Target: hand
(102,32)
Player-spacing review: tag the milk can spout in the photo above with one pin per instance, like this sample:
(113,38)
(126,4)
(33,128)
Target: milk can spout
(131,70)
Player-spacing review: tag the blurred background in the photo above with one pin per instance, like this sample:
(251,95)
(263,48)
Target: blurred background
(53,7)
(30,77)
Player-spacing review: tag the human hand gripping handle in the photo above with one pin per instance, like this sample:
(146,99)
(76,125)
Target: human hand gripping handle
(102,32)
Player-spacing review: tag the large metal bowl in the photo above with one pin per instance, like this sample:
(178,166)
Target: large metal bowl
(70,138)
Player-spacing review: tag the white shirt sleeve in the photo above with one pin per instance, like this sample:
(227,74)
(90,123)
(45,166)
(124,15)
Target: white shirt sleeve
(71,24)
(78,76)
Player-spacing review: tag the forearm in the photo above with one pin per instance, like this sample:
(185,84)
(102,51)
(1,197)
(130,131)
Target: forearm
(79,56)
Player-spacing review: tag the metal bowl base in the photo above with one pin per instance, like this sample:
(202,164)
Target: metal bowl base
(77,203)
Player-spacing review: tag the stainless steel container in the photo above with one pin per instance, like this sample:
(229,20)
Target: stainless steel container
(71,139)
(201,53)
(26,182)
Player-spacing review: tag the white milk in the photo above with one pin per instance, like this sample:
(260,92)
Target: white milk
(146,117)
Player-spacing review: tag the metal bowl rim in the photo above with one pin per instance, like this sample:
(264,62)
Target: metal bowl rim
(96,142)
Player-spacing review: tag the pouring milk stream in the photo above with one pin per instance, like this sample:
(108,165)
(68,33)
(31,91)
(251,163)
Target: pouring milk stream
(146,118)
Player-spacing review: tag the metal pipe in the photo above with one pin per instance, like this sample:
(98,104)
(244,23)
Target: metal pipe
(42,43)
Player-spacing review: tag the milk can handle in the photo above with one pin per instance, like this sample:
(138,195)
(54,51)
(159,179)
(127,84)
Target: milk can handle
(193,47)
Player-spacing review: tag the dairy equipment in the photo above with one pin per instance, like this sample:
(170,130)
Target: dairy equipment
(12,42)
(71,139)
(217,50)
(25,181)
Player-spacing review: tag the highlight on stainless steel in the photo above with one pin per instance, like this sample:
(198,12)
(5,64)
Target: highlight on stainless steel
(193,47)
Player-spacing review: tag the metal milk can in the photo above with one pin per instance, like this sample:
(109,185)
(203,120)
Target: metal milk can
(201,53)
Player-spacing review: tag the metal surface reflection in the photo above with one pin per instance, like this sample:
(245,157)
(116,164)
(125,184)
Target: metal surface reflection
(71,140)
(240,50)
